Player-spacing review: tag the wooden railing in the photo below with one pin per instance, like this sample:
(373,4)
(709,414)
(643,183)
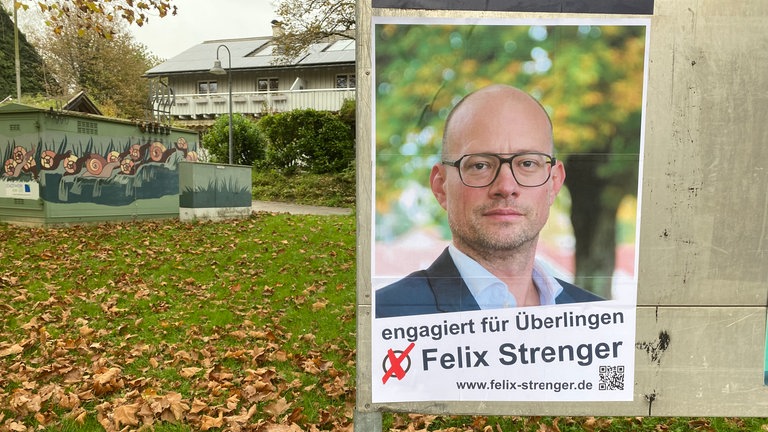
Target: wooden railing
(214,104)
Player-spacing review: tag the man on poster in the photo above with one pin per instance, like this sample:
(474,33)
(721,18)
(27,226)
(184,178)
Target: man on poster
(495,214)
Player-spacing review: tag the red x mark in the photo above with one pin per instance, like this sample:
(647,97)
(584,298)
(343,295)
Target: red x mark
(395,364)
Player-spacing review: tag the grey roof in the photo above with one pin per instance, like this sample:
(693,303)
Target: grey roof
(82,103)
(252,53)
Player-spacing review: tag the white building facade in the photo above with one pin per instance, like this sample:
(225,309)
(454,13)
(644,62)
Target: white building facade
(321,78)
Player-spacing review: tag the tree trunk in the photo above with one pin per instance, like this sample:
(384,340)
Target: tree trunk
(595,202)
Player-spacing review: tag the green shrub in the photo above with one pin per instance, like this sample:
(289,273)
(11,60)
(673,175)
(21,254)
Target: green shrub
(347,112)
(333,190)
(308,140)
(248,141)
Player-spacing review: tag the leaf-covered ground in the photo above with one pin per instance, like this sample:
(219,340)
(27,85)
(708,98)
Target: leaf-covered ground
(242,325)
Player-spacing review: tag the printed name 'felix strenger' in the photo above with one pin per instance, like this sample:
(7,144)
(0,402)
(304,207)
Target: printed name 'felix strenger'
(511,354)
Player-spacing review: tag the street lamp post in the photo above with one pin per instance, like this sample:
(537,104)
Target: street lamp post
(218,70)
(16,51)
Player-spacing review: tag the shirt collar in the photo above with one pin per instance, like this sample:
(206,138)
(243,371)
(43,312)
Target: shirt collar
(490,292)
(549,288)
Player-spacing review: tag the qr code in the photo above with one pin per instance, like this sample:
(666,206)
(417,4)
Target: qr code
(611,378)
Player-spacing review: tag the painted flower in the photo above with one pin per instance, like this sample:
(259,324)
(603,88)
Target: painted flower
(156,151)
(18,154)
(135,152)
(10,167)
(47,159)
(70,164)
(126,166)
(30,163)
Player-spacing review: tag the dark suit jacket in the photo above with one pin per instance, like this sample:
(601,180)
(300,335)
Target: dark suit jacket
(440,288)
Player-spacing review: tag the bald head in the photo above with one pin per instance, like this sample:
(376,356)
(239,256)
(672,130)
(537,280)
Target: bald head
(496,107)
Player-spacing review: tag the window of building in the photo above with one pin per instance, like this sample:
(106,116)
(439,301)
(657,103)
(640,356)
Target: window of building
(266,84)
(207,87)
(345,81)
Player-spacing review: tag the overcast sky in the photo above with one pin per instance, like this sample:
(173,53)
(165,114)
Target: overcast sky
(201,20)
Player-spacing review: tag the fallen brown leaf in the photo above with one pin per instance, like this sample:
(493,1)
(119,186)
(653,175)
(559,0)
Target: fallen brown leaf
(189,372)
(277,407)
(11,350)
(125,415)
(209,422)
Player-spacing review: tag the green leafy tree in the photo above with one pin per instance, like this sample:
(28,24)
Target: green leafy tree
(31,63)
(248,142)
(97,17)
(315,141)
(108,70)
(595,91)
(588,78)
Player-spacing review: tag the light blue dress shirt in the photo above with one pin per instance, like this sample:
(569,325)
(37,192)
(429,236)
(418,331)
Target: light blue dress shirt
(491,293)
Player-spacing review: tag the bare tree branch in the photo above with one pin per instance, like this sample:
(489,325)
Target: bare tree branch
(304,22)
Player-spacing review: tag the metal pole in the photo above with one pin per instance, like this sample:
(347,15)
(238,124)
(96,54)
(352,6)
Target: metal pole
(367,421)
(218,70)
(16,47)
(229,83)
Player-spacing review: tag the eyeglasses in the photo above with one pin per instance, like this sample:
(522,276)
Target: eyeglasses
(478,170)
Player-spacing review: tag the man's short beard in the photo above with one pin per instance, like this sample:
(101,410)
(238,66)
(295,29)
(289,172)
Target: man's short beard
(487,245)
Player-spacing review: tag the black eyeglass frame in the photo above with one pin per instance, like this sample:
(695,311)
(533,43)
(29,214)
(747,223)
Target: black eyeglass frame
(502,161)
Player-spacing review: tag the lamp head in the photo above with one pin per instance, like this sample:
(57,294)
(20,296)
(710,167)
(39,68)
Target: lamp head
(217,69)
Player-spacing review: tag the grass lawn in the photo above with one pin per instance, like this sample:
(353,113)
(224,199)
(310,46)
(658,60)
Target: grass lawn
(205,325)
(244,325)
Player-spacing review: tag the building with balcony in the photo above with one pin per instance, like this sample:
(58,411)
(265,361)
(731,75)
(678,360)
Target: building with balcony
(185,92)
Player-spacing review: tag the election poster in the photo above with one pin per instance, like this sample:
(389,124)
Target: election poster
(506,191)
